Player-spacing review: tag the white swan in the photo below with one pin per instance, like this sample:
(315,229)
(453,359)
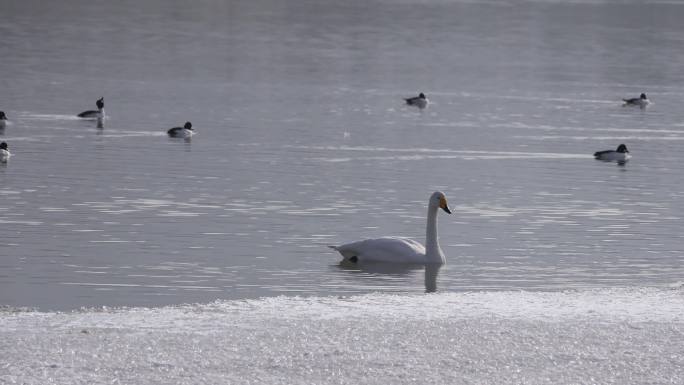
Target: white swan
(401,250)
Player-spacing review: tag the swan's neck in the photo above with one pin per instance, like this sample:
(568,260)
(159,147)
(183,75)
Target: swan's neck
(433,253)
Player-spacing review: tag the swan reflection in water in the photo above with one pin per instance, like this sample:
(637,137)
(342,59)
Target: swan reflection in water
(396,270)
(431,272)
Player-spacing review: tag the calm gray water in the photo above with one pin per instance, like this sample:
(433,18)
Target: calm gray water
(303,141)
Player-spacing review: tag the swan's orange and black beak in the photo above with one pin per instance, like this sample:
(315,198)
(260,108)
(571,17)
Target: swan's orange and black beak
(443,205)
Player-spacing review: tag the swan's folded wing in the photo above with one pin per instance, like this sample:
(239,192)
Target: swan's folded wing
(387,249)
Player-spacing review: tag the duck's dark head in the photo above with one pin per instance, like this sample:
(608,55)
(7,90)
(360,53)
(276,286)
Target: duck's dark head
(3,146)
(421,95)
(100,103)
(622,148)
(188,126)
(643,97)
(2,115)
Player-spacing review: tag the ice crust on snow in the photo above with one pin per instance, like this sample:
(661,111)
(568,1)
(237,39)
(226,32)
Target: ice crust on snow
(587,336)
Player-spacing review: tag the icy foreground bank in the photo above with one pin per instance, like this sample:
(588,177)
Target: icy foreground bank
(624,336)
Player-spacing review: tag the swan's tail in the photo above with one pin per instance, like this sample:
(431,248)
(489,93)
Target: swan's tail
(347,255)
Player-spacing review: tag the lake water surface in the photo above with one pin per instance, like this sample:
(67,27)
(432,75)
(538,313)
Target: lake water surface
(303,141)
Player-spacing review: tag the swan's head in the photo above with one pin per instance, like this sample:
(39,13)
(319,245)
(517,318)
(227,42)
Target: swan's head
(438,199)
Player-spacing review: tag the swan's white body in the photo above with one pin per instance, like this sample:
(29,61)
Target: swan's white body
(386,249)
(398,249)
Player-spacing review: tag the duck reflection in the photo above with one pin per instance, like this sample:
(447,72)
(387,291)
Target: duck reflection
(99,123)
(398,270)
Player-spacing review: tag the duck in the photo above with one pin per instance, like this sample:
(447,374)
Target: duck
(3,120)
(92,114)
(621,154)
(419,101)
(399,249)
(4,153)
(642,101)
(182,132)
